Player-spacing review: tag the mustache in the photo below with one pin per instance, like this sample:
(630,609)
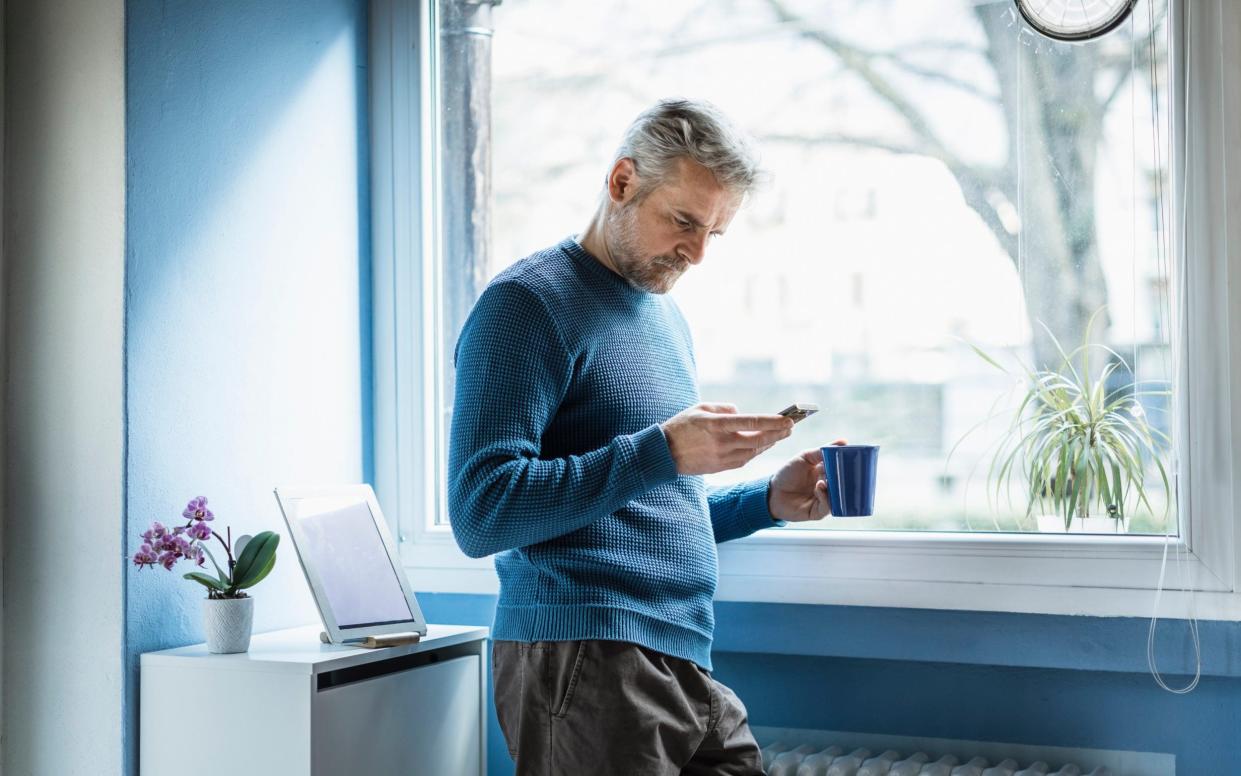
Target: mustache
(671,263)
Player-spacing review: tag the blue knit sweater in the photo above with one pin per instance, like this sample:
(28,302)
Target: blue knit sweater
(557,461)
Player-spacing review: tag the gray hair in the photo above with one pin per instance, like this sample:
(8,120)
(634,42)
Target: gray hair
(676,129)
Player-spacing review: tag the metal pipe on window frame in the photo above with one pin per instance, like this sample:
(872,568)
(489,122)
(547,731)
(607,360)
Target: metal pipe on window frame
(465,157)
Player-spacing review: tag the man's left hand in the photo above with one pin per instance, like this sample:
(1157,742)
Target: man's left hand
(798,491)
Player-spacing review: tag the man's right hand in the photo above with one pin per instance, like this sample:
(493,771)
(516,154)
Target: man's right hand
(709,438)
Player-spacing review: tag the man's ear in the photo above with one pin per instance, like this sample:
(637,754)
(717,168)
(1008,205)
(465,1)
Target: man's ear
(622,181)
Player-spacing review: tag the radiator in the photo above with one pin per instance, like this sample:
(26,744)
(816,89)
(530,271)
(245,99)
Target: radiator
(781,760)
(793,752)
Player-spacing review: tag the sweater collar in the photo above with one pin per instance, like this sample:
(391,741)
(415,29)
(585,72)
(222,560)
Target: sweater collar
(574,250)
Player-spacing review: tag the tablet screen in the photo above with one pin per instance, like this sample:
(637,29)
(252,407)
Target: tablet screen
(353,566)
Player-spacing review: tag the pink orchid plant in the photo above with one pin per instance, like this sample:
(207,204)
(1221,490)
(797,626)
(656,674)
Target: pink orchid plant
(166,546)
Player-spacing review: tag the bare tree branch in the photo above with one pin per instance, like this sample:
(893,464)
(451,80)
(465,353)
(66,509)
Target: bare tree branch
(659,51)
(938,75)
(841,138)
(944,45)
(975,183)
(1126,70)
(979,186)
(1054,117)
(898,58)
(859,62)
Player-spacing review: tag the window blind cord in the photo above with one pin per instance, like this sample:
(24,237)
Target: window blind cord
(1163,248)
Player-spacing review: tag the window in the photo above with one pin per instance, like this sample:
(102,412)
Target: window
(942,178)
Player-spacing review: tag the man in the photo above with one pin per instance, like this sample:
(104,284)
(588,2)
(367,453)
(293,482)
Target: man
(576,448)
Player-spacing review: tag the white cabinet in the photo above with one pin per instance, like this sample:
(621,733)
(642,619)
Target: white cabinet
(294,707)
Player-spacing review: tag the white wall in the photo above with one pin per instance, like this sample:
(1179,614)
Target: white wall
(64,426)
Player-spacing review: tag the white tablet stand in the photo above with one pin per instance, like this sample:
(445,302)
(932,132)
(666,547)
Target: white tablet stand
(376,642)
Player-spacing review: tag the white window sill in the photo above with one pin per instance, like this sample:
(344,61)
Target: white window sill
(1075,575)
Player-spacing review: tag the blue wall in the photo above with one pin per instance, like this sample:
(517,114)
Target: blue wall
(1026,679)
(247,282)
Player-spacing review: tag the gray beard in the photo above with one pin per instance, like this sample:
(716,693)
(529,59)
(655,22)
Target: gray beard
(655,275)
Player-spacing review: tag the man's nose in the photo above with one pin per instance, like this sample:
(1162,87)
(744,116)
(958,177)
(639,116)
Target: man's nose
(695,248)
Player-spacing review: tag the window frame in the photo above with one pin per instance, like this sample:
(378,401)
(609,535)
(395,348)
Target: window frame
(1053,574)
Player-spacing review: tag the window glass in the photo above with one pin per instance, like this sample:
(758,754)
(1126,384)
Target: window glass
(945,183)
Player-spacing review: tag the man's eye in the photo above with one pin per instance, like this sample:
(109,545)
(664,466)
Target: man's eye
(681,222)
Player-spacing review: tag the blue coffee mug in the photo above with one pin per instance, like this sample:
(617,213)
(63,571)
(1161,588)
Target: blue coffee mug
(850,475)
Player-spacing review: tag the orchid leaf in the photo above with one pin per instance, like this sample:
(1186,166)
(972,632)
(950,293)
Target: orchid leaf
(203,579)
(254,557)
(261,573)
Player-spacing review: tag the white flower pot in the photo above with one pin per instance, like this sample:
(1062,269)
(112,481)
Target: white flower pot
(227,623)
(1089,525)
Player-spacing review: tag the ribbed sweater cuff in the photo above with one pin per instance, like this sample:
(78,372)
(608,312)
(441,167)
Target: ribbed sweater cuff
(740,510)
(752,510)
(655,463)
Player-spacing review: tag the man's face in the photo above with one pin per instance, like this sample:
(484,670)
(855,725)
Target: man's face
(655,240)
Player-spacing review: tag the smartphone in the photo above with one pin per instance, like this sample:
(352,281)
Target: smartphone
(800,411)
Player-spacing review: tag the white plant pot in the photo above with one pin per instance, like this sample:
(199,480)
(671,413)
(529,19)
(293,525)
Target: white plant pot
(1089,525)
(227,623)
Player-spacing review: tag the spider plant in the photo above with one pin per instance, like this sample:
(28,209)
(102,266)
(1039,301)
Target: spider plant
(1077,444)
